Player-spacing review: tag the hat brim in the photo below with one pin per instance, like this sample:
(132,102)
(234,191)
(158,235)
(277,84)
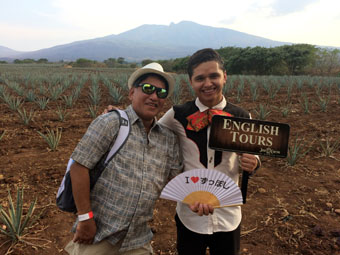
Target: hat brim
(138,73)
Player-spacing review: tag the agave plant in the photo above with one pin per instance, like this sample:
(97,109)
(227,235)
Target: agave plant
(176,96)
(263,112)
(305,104)
(121,80)
(2,135)
(52,138)
(25,116)
(289,91)
(62,113)
(191,90)
(12,102)
(254,91)
(42,102)
(30,96)
(228,87)
(323,103)
(116,94)
(327,147)
(95,94)
(296,151)
(15,222)
(285,110)
(93,109)
(69,100)
(55,91)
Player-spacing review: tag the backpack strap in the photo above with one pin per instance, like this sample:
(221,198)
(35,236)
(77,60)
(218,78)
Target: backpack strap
(122,136)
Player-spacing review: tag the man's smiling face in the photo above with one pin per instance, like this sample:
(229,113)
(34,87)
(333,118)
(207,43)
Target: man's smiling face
(207,81)
(147,106)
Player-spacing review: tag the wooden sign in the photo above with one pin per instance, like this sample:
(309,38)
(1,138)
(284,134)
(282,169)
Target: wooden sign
(249,136)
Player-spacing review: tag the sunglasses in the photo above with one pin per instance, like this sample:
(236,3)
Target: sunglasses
(148,89)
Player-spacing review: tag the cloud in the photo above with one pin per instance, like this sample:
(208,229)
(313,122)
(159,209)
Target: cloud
(28,38)
(45,23)
(316,24)
(228,21)
(112,17)
(284,7)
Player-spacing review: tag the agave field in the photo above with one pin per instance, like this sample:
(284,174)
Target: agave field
(293,203)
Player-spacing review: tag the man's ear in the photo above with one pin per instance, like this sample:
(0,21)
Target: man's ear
(131,93)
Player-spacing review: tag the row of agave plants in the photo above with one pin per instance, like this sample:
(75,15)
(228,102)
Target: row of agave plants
(60,85)
(238,85)
(61,88)
(42,85)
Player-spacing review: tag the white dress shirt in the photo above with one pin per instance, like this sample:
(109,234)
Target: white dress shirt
(223,219)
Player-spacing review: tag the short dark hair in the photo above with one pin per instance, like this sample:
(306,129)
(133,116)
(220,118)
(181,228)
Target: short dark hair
(201,56)
(146,75)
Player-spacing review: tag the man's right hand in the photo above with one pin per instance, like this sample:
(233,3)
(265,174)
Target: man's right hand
(85,232)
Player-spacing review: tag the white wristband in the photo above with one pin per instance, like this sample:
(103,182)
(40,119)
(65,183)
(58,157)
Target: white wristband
(86,216)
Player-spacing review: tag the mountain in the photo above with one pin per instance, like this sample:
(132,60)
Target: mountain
(148,42)
(4,51)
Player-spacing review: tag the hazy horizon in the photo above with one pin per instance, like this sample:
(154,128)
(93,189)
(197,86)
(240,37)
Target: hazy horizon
(37,24)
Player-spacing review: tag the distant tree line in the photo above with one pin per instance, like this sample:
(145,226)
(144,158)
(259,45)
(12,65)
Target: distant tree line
(297,59)
(110,62)
(30,61)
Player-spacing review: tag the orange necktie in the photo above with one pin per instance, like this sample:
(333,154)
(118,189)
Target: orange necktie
(200,120)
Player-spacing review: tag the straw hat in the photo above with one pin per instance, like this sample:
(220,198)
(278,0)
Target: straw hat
(152,68)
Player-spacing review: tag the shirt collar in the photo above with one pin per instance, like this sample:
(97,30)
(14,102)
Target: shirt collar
(220,106)
(133,117)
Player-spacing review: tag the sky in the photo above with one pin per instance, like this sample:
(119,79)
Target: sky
(27,25)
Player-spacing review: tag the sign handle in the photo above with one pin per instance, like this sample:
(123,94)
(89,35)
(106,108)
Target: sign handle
(244,185)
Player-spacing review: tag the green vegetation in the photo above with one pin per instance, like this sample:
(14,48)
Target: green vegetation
(2,135)
(95,93)
(263,112)
(14,221)
(25,116)
(296,151)
(285,110)
(62,113)
(93,110)
(42,102)
(328,148)
(57,88)
(52,138)
(305,104)
(323,103)
(30,96)
(69,100)
(176,96)
(13,102)
(296,59)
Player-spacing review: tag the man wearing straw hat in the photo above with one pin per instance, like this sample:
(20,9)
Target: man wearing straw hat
(219,229)
(113,217)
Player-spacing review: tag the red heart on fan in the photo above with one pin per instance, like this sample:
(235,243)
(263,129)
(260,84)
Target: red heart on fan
(195,179)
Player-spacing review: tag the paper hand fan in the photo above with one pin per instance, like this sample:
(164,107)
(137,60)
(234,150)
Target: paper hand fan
(205,186)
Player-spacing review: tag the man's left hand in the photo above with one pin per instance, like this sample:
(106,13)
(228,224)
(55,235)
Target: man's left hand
(248,162)
(202,209)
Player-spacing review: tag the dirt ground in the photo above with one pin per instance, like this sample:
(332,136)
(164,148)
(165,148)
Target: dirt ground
(289,209)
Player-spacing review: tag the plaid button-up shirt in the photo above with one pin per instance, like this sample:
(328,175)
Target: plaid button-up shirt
(124,196)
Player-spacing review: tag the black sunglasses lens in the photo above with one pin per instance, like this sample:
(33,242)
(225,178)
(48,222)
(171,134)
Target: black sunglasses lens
(162,93)
(148,88)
